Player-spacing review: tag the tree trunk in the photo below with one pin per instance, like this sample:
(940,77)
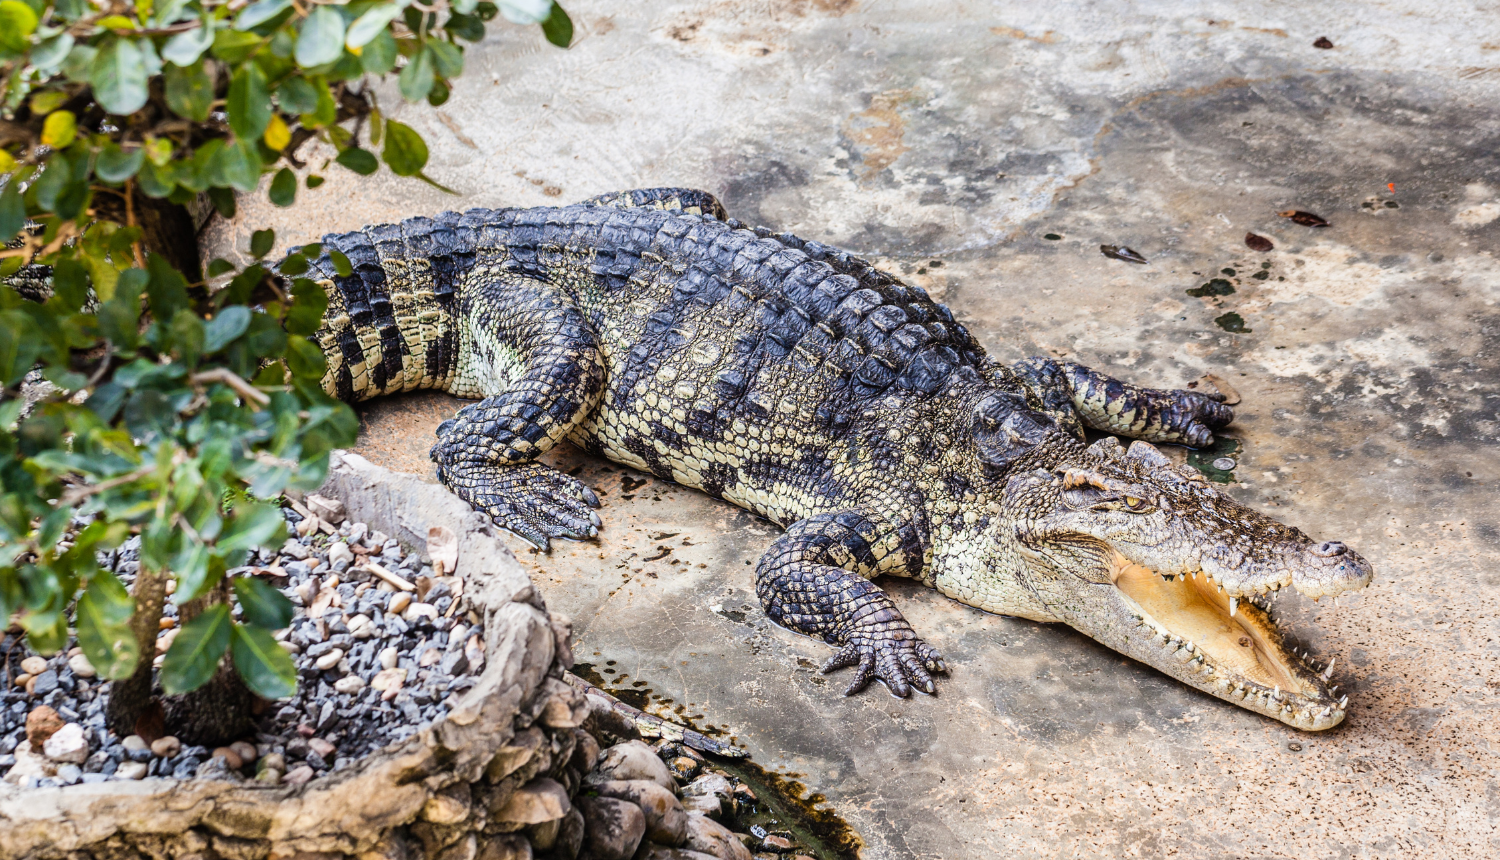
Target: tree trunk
(130,698)
(219,712)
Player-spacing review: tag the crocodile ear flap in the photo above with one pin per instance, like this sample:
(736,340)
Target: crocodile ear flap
(1147,455)
(1107,449)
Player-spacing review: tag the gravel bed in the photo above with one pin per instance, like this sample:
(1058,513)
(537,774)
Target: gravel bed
(375,662)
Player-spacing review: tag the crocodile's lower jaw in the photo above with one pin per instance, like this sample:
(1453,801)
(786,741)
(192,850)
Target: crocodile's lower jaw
(1185,629)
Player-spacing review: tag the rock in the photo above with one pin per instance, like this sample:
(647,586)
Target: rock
(349,684)
(42,723)
(449,806)
(326,509)
(67,744)
(388,658)
(42,684)
(632,760)
(132,770)
(339,551)
(329,660)
(245,750)
(271,761)
(29,764)
(585,751)
(709,794)
(298,775)
(715,839)
(361,627)
(777,844)
(612,828)
(135,743)
(81,666)
(511,757)
(230,757)
(166,747)
(389,680)
(269,776)
(684,768)
(321,747)
(507,847)
(34,665)
(398,603)
(666,820)
(537,801)
(295,548)
(455,663)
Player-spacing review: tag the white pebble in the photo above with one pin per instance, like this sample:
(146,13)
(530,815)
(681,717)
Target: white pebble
(132,770)
(388,658)
(134,743)
(340,552)
(361,627)
(419,610)
(81,666)
(67,744)
(166,747)
(294,548)
(349,684)
(331,659)
(34,665)
(398,603)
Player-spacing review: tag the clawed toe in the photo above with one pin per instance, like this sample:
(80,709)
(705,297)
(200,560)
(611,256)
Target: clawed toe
(897,659)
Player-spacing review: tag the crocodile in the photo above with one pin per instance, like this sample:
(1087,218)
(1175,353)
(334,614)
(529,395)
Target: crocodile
(803,384)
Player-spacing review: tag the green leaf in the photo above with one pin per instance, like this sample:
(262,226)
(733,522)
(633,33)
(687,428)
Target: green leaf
(235,47)
(297,95)
(404,151)
(322,38)
(284,187)
(439,94)
(341,264)
(261,242)
(156,181)
(260,12)
(305,359)
(379,56)
(526,11)
(558,28)
(371,24)
(17,22)
(46,632)
(184,49)
(416,79)
(219,266)
(326,112)
(104,633)
(167,289)
(70,283)
(262,604)
(249,104)
(265,666)
(295,264)
(13,211)
(309,303)
(189,92)
(447,58)
(252,524)
(466,27)
(314,180)
(361,161)
(49,56)
(239,165)
(118,76)
(229,324)
(117,165)
(223,200)
(195,653)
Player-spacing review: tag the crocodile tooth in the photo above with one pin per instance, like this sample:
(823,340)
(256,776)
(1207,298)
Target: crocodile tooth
(1328,711)
(1234,605)
(1327,673)
(1344,701)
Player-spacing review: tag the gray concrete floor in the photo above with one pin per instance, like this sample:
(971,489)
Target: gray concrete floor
(947,140)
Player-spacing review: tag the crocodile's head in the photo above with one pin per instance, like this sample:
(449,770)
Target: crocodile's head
(1156,563)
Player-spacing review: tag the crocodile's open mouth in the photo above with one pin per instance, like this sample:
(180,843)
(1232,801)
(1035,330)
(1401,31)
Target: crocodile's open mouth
(1228,646)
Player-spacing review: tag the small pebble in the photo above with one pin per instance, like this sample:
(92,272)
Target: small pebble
(399,602)
(321,747)
(166,747)
(132,770)
(272,761)
(349,684)
(135,743)
(340,552)
(420,610)
(298,775)
(229,756)
(330,659)
(34,665)
(388,657)
(81,666)
(245,750)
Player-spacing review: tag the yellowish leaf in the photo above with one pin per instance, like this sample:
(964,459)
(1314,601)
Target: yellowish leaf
(277,135)
(59,129)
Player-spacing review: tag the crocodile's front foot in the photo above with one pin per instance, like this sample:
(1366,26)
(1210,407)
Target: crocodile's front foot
(535,501)
(889,652)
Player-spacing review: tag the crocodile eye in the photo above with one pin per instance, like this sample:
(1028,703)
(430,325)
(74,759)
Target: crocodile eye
(1137,505)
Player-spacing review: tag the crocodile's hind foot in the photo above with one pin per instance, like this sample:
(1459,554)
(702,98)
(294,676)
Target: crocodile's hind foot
(535,501)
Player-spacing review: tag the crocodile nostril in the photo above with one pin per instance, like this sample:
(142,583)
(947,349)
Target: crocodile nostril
(1329,549)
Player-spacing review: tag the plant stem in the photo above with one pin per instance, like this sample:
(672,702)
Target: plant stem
(128,699)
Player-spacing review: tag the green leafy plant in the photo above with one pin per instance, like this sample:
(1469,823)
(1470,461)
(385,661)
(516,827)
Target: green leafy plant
(167,408)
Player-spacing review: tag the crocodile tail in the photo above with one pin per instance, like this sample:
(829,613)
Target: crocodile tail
(393,323)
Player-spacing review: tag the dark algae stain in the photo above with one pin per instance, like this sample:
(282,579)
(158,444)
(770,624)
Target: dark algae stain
(1215,287)
(1232,322)
(1210,461)
(781,802)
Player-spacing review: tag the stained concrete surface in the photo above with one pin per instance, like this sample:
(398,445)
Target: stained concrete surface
(948,141)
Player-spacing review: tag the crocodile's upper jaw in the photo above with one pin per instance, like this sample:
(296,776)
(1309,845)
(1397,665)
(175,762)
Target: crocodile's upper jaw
(1180,577)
